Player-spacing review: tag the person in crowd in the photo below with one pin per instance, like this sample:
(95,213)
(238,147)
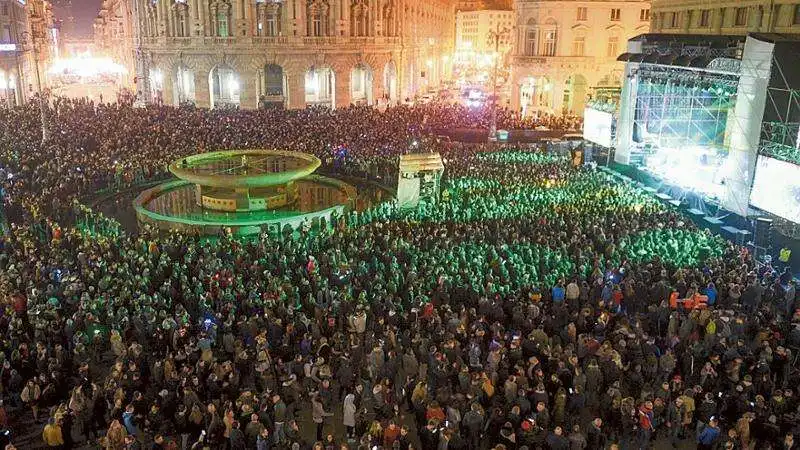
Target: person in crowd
(535,305)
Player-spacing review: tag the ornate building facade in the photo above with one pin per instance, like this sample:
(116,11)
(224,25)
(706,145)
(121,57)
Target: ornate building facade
(478,30)
(113,34)
(728,17)
(567,48)
(292,52)
(28,44)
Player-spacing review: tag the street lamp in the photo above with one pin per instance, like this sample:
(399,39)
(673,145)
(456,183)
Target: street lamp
(34,38)
(494,38)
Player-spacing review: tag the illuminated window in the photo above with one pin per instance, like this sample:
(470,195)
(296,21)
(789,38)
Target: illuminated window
(530,41)
(741,17)
(705,18)
(615,14)
(273,21)
(644,15)
(613,47)
(318,19)
(582,13)
(222,24)
(579,46)
(550,37)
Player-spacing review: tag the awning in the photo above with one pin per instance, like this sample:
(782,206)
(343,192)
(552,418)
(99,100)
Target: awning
(625,56)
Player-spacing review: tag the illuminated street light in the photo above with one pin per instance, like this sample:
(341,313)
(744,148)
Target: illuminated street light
(496,36)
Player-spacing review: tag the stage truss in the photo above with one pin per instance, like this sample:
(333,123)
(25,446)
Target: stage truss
(681,120)
(780,139)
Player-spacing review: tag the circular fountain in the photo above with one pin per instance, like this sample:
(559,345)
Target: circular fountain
(244,190)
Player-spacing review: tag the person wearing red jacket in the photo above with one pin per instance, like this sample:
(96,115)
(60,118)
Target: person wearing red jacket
(645,424)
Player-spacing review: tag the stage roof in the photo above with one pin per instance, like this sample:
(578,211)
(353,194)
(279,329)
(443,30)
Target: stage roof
(421,162)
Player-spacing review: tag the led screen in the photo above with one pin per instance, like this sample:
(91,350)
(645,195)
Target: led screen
(597,126)
(776,188)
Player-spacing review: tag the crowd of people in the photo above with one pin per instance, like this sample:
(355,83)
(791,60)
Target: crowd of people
(530,307)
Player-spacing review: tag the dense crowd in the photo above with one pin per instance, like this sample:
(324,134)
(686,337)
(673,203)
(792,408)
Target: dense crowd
(529,308)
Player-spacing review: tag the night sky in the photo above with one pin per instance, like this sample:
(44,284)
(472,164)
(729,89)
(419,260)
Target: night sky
(84,12)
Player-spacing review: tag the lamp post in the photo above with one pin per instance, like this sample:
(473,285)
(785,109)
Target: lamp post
(34,38)
(141,62)
(494,38)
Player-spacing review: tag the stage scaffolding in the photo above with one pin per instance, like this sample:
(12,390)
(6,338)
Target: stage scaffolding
(780,138)
(680,109)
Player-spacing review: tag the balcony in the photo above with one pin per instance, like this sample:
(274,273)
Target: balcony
(270,40)
(214,40)
(525,60)
(179,41)
(285,41)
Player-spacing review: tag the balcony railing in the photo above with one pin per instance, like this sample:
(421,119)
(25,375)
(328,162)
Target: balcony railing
(270,40)
(291,41)
(535,59)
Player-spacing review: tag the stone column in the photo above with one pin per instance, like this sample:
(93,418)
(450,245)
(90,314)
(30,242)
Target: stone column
(342,87)
(557,93)
(756,15)
(169,88)
(248,89)
(201,88)
(719,19)
(377,87)
(296,89)
(515,94)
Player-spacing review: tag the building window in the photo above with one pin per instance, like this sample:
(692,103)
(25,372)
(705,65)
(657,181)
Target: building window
(674,20)
(530,42)
(644,15)
(615,14)
(579,46)
(318,18)
(181,30)
(741,17)
(550,38)
(359,20)
(4,8)
(796,18)
(613,47)
(582,12)
(222,24)
(273,22)
(5,33)
(705,18)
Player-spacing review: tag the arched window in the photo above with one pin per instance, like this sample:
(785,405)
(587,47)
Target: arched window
(152,29)
(273,27)
(388,20)
(550,39)
(221,19)
(318,18)
(358,18)
(531,36)
(273,80)
(181,23)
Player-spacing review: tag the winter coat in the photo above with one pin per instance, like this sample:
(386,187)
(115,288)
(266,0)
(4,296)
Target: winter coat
(349,413)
